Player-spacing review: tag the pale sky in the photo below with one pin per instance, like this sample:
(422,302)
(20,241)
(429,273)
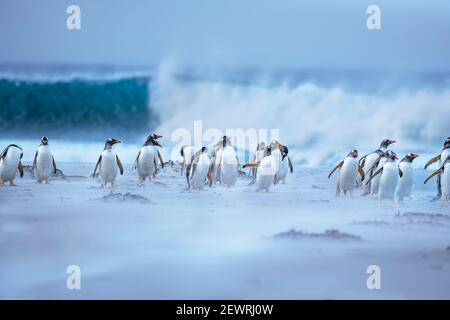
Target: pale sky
(415,34)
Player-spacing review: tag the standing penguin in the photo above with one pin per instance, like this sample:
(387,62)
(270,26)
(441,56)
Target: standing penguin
(441,158)
(187,152)
(276,153)
(390,174)
(108,163)
(367,163)
(348,173)
(44,163)
(226,163)
(444,174)
(10,162)
(257,157)
(285,165)
(146,161)
(406,181)
(199,169)
(266,170)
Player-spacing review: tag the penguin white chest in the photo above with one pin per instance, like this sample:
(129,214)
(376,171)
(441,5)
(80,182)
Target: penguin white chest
(9,164)
(265,173)
(368,163)
(445,182)
(388,180)
(376,180)
(146,161)
(108,166)
(348,174)
(201,170)
(405,182)
(283,170)
(228,166)
(44,162)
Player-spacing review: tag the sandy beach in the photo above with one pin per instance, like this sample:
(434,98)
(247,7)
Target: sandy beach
(160,241)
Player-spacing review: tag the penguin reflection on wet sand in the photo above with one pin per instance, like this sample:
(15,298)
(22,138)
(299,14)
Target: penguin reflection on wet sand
(266,169)
(389,177)
(107,163)
(440,159)
(199,170)
(348,173)
(444,174)
(10,163)
(146,161)
(43,164)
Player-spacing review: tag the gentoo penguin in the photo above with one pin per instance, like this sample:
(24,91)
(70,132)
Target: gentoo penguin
(199,169)
(406,181)
(285,165)
(257,157)
(146,161)
(266,170)
(367,163)
(187,152)
(390,174)
(226,163)
(10,162)
(441,158)
(276,153)
(444,173)
(108,163)
(44,163)
(348,173)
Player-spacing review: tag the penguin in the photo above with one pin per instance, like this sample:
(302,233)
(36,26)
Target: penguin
(226,163)
(390,174)
(285,165)
(43,164)
(108,163)
(187,152)
(406,182)
(444,174)
(348,173)
(367,163)
(147,158)
(10,162)
(199,169)
(276,153)
(257,157)
(440,158)
(266,170)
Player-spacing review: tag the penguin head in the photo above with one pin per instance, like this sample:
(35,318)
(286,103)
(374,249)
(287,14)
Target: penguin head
(447,143)
(44,140)
(261,146)
(410,157)
(284,151)
(110,142)
(204,149)
(275,144)
(353,153)
(391,155)
(386,143)
(268,151)
(151,141)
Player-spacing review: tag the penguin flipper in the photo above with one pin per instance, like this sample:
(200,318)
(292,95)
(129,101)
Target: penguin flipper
(291,167)
(251,165)
(20,167)
(361,172)
(119,164)
(400,172)
(188,172)
(374,175)
(160,158)
(210,177)
(96,166)
(437,172)
(335,168)
(136,161)
(34,162)
(54,164)
(432,160)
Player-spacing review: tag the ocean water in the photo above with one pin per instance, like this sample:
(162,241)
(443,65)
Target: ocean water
(320,115)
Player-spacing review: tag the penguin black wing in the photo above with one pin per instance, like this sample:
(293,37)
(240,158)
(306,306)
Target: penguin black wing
(160,158)
(119,164)
(54,165)
(20,167)
(437,172)
(96,166)
(361,172)
(136,161)
(432,160)
(400,172)
(251,165)
(374,175)
(34,161)
(339,165)
(291,167)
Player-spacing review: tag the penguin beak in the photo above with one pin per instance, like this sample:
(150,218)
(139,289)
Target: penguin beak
(116,141)
(392,141)
(414,155)
(155,136)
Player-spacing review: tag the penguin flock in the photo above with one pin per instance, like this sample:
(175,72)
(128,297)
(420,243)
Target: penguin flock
(380,174)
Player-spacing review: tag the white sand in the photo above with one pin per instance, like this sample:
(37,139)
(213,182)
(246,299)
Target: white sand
(217,243)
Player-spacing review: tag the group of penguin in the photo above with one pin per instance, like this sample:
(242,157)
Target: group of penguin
(379,173)
(270,164)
